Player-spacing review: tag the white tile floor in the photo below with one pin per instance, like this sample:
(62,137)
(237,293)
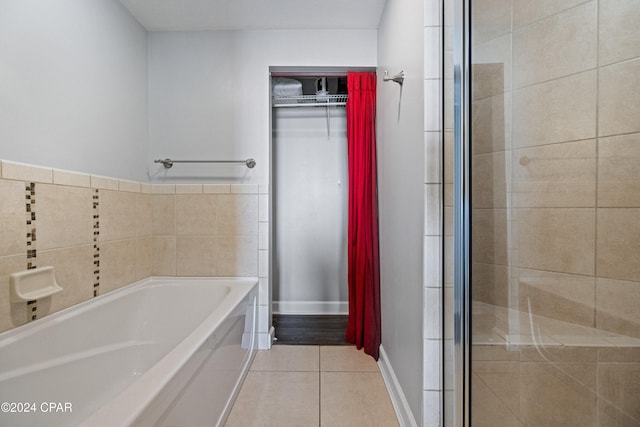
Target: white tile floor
(305,386)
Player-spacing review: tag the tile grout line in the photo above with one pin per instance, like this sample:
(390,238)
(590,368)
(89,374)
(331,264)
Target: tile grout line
(319,387)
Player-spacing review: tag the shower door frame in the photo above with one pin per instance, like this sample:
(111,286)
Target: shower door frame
(462,208)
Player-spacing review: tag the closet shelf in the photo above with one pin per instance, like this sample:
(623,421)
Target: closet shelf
(310,101)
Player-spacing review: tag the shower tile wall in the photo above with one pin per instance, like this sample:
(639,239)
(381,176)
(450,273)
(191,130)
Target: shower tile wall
(556,208)
(101,234)
(556,137)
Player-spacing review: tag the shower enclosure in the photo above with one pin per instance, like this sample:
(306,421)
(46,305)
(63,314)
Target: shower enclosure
(542,212)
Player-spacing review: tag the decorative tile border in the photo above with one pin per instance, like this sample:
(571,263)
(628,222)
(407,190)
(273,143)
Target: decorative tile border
(30,201)
(96,242)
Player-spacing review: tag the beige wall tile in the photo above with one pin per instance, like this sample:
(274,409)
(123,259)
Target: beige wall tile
(238,256)
(196,214)
(619,38)
(104,183)
(144,214)
(488,80)
(488,409)
(117,215)
(547,399)
(130,186)
(448,221)
(557,46)
(489,176)
(566,297)
(557,175)
(492,59)
(64,216)
(217,188)
(490,236)
(618,388)
(144,257)
(618,171)
(448,109)
(74,273)
(13,216)
(502,383)
(196,255)
(244,189)
(448,160)
(62,177)
(491,124)
(238,214)
(117,264)
(24,172)
(619,98)
(619,383)
(164,256)
(163,189)
(491,18)
(619,244)
(560,240)
(189,189)
(617,306)
(556,111)
(448,260)
(355,398)
(490,283)
(527,11)
(163,214)
(11,315)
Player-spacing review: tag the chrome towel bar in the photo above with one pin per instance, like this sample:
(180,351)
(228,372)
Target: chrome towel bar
(168,163)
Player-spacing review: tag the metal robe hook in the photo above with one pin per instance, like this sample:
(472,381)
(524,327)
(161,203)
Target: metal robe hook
(398,78)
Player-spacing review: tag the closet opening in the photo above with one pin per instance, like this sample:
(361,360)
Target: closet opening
(309,205)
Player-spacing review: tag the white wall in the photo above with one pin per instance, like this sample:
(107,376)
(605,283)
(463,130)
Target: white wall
(209,93)
(73,86)
(310,197)
(400,121)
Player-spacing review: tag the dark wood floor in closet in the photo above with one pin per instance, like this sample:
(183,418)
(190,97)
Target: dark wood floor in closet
(310,329)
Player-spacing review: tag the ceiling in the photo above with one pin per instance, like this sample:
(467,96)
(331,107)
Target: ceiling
(198,15)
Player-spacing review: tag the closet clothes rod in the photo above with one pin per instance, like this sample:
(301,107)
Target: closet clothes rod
(168,163)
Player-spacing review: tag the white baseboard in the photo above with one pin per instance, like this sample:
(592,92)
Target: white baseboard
(266,339)
(311,307)
(398,399)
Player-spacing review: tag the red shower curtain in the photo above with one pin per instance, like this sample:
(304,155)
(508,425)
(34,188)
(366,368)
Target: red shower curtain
(363,327)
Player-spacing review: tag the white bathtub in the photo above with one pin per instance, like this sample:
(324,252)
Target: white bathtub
(160,352)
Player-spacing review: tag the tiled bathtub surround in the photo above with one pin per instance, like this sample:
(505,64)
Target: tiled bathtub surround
(101,233)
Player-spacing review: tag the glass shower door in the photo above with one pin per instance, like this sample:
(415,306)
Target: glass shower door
(548,139)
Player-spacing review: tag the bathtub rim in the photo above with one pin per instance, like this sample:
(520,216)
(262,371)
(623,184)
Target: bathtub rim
(20,331)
